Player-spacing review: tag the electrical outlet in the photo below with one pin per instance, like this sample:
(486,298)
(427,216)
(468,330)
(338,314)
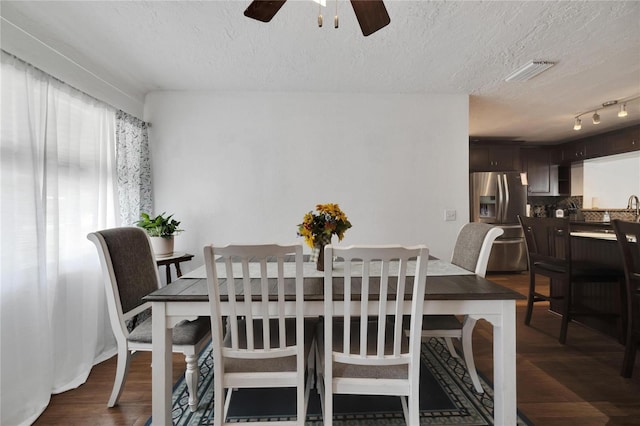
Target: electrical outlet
(449,215)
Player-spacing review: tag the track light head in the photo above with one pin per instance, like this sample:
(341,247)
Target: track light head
(596,118)
(623,111)
(577,125)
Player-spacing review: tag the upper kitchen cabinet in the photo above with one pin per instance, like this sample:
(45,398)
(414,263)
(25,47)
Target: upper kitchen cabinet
(572,151)
(620,141)
(556,154)
(610,143)
(542,174)
(494,158)
(581,149)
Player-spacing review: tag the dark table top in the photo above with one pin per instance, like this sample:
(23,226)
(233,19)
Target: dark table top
(449,287)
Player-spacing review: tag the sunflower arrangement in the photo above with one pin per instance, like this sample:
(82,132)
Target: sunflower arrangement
(318,226)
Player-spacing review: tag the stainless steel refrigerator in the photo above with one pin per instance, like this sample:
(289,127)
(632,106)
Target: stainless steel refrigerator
(498,198)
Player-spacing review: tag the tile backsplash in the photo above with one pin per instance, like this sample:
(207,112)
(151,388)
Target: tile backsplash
(545,206)
(596,215)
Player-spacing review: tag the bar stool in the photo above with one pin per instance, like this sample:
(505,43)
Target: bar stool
(548,242)
(628,234)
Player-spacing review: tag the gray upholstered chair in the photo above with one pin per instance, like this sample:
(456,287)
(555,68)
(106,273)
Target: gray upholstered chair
(130,273)
(471,252)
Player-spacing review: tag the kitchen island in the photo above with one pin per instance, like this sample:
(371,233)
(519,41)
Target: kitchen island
(595,242)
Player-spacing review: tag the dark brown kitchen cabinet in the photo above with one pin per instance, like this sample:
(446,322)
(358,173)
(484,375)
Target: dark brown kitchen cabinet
(542,177)
(594,147)
(483,158)
(610,143)
(556,155)
(581,149)
(621,141)
(573,151)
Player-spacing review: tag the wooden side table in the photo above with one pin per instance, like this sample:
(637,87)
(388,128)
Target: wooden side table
(175,260)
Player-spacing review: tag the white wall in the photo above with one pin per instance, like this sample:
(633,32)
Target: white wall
(245,167)
(611,180)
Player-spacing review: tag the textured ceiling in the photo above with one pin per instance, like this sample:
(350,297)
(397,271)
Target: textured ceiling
(429,47)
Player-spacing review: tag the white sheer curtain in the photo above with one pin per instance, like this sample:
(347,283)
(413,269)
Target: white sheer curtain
(57,181)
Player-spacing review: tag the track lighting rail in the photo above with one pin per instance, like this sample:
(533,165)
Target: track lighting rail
(595,118)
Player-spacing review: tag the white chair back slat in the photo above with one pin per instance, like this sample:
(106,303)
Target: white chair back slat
(382,305)
(281,300)
(246,303)
(264,303)
(364,303)
(398,331)
(346,341)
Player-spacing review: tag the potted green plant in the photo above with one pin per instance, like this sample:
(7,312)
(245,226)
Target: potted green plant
(161,230)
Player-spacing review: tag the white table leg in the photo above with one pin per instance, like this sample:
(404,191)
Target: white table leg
(504,366)
(161,366)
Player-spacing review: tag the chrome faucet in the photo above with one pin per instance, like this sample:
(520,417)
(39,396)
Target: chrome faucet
(634,204)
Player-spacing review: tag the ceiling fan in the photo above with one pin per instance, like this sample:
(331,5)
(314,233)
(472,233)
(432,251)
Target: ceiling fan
(371,14)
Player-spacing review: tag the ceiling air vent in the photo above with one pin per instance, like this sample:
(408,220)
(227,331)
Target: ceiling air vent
(529,70)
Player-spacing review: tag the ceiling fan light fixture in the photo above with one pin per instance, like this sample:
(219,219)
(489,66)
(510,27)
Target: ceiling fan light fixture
(577,125)
(372,15)
(529,70)
(596,118)
(623,111)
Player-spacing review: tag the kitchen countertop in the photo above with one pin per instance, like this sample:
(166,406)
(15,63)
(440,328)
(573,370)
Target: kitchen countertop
(598,230)
(600,209)
(598,235)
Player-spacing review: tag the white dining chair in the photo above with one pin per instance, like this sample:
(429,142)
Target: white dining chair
(471,252)
(364,349)
(130,273)
(261,342)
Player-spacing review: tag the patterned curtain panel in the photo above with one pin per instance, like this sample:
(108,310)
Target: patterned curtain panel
(134,167)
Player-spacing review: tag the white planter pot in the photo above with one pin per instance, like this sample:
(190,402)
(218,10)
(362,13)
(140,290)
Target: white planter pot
(162,246)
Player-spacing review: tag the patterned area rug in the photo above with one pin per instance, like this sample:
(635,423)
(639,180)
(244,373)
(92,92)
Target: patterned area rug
(447,397)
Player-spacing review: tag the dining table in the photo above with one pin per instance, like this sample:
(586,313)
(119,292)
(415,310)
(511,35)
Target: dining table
(450,290)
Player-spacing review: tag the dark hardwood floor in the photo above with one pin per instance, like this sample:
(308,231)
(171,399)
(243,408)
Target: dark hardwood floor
(575,384)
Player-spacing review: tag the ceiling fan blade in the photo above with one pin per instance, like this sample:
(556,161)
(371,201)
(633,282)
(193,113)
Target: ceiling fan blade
(263,10)
(371,14)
